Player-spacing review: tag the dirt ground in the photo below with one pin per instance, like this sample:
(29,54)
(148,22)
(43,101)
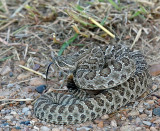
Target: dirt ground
(31,30)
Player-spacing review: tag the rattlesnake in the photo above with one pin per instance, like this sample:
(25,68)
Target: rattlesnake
(119,74)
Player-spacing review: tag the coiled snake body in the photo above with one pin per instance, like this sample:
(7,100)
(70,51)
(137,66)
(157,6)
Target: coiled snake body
(119,74)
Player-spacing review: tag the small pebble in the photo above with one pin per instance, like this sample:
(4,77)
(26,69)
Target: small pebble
(18,128)
(113,123)
(55,129)
(21,102)
(133,113)
(142,116)
(27,122)
(40,88)
(23,76)
(44,128)
(138,121)
(153,129)
(84,128)
(11,74)
(5,70)
(105,117)
(141,110)
(148,123)
(156,111)
(36,67)
(13,113)
(100,124)
(25,110)
(10,85)
(127,128)
(5,124)
(8,117)
(36,81)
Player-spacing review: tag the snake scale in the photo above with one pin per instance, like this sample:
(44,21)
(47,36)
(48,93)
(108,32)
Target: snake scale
(119,74)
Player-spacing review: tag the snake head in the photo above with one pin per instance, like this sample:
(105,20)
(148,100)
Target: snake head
(64,64)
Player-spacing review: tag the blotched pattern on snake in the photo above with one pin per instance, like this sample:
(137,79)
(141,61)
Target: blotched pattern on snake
(119,74)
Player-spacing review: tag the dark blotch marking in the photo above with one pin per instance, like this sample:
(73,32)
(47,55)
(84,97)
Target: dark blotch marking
(132,97)
(69,118)
(83,117)
(128,93)
(131,83)
(123,77)
(117,65)
(125,61)
(80,108)
(53,108)
(59,118)
(117,99)
(46,107)
(112,107)
(89,105)
(137,89)
(71,108)
(105,72)
(99,101)
(90,75)
(93,115)
(61,109)
(120,89)
(108,96)
(98,109)
(111,83)
(124,100)
(49,116)
(42,114)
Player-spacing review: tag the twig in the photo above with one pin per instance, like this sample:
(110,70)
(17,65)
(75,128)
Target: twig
(10,22)
(100,26)
(137,38)
(38,73)
(20,8)
(11,44)
(28,99)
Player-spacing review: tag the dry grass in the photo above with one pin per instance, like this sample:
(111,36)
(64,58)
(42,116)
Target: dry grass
(30,30)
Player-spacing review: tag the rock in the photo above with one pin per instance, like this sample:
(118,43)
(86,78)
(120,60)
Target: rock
(127,128)
(153,129)
(148,123)
(84,128)
(123,118)
(147,105)
(10,85)
(139,129)
(156,111)
(8,117)
(151,102)
(13,113)
(142,116)
(157,121)
(141,110)
(5,70)
(25,110)
(28,113)
(138,121)
(105,117)
(36,82)
(40,88)
(56,129)
(44,128)
(23,76)
(113,123)
(100,124)
(133,113)
(11,74)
